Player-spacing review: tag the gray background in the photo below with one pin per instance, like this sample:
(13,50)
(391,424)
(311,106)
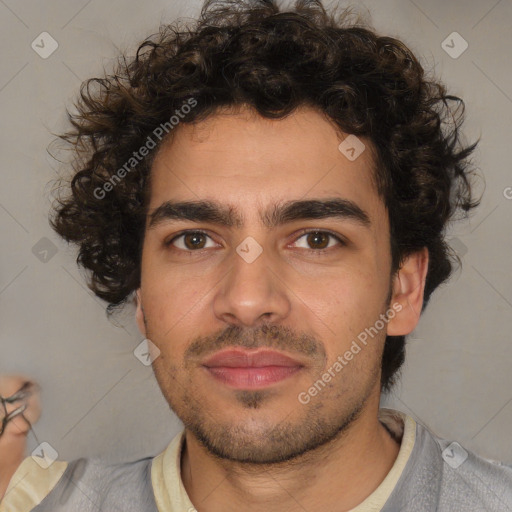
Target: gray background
(98,399)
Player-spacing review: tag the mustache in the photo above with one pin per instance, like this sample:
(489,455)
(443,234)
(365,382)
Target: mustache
(276,337)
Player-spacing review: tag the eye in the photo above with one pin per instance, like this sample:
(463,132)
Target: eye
(314,240)
(319,241)
(191,241)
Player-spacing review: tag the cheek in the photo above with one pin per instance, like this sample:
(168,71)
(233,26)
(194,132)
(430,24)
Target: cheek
(169,317)
(352,305)
(352,293)
(169,296)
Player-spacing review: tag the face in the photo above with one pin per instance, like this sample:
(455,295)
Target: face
(261,293)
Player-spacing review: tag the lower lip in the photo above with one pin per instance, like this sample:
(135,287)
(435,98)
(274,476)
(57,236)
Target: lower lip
(252,377)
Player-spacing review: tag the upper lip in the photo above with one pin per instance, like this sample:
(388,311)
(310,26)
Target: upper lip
(237,358)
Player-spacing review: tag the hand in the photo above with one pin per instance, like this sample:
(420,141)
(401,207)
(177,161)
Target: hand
(25,397)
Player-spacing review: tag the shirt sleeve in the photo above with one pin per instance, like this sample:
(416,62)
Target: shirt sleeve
(30,484)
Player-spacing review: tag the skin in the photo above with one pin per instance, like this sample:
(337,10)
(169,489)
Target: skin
(264,449)
(13,441)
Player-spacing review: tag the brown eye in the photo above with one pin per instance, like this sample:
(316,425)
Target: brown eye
(319,241)
(191,241)
(194,240)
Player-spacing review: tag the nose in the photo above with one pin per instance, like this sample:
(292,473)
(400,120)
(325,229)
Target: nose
(252,294)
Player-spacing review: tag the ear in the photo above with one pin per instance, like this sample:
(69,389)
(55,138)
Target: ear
(139,315)
(408,288)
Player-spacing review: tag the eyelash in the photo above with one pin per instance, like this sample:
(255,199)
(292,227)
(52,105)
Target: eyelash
(304,232)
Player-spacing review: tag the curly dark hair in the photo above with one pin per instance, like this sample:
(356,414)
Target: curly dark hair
(250,53)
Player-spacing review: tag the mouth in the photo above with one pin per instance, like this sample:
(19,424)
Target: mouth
(246,369)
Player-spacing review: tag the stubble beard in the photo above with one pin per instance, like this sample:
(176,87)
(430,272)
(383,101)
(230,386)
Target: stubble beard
(267,443)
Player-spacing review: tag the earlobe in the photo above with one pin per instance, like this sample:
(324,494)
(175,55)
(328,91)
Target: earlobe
(408,289)
(139,315)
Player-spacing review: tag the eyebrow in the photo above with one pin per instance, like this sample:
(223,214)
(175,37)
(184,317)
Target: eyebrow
(277,215)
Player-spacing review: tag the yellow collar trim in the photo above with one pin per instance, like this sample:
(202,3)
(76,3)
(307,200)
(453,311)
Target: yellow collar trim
(30,484)
(171,496)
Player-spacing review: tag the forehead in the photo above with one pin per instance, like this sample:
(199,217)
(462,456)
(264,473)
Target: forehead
(249,162)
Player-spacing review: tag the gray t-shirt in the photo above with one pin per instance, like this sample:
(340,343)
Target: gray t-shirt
(439,476)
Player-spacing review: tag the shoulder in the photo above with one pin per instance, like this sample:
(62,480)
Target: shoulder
(82,484)
(447,476)
(470,480)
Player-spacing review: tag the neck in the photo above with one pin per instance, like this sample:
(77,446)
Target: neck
(336,476)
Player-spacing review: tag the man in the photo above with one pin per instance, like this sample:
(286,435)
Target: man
(272,190)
